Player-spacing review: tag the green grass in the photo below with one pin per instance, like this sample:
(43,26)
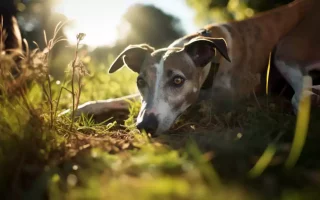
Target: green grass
(240,154)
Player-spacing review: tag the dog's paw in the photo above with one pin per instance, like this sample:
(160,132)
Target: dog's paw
(295,103)
(314,93)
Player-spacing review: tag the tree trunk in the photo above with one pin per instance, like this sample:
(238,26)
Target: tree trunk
(8,12)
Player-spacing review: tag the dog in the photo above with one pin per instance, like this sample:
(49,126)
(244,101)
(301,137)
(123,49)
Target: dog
(172,79)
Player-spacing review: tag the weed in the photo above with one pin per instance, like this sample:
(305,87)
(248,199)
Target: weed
(79,69)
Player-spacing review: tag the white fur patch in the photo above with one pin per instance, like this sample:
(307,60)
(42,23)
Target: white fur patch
(163,109)
(165,116)
(294,77)
(195,89)
(141,112)
(159,76)
(292,74)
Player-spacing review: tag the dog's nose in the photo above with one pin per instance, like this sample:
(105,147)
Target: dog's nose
(149,123)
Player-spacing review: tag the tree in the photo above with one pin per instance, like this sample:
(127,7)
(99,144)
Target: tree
(148,24)
(142,24)
(208,11)
(7,12)
(34,17)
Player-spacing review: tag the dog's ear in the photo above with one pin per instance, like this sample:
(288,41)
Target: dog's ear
(202,49)
(133,56)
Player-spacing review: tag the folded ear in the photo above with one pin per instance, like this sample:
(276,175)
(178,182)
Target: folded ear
(133,56)
(202,49)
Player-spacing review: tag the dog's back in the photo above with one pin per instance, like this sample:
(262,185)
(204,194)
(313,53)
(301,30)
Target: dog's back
(302,44)
(253,39)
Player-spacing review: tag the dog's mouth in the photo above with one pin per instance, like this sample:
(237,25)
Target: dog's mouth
(163,126)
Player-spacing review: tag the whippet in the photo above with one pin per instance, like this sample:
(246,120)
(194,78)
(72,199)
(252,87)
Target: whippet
(171,79)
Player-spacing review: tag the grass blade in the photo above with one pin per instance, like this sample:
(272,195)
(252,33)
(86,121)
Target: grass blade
(302,124)
(268,74)
(263,161)
(205,167)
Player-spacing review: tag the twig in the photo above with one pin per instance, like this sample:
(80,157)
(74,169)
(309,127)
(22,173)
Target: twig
(58,100)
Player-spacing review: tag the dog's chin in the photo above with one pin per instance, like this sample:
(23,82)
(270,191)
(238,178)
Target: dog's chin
(165,126)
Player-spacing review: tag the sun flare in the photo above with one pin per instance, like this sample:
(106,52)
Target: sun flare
(98,19)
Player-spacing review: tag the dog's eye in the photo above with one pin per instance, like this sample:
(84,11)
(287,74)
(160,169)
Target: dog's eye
(141,82)
(177,81)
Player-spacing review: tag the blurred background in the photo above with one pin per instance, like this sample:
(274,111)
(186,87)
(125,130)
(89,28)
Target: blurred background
(111,25)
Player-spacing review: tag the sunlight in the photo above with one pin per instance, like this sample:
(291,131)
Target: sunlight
(98,19)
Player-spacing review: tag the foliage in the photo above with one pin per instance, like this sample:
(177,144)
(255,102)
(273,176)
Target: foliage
(144,22)
(35,16)
(209,11)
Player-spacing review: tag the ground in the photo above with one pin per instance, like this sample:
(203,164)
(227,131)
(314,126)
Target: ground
(210,158)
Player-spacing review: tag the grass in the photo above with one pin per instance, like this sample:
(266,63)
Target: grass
(240,154)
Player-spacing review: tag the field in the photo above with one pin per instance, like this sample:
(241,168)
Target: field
(240,154)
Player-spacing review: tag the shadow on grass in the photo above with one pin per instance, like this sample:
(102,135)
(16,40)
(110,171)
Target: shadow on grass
(236,140)
(197,159)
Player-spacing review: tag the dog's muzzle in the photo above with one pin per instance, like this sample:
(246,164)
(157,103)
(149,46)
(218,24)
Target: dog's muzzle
(149,123)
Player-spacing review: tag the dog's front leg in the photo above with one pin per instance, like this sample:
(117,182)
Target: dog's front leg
(293,75)
(104,107)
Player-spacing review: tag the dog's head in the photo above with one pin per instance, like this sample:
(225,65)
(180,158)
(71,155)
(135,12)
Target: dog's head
(169,80)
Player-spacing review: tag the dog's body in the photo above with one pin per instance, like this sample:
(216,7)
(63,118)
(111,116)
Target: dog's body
(298,53)
(171,80)
(250,43)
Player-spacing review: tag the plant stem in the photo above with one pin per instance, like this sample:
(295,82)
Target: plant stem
(50,100)
(72,85)
(58,100)
(79,91)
